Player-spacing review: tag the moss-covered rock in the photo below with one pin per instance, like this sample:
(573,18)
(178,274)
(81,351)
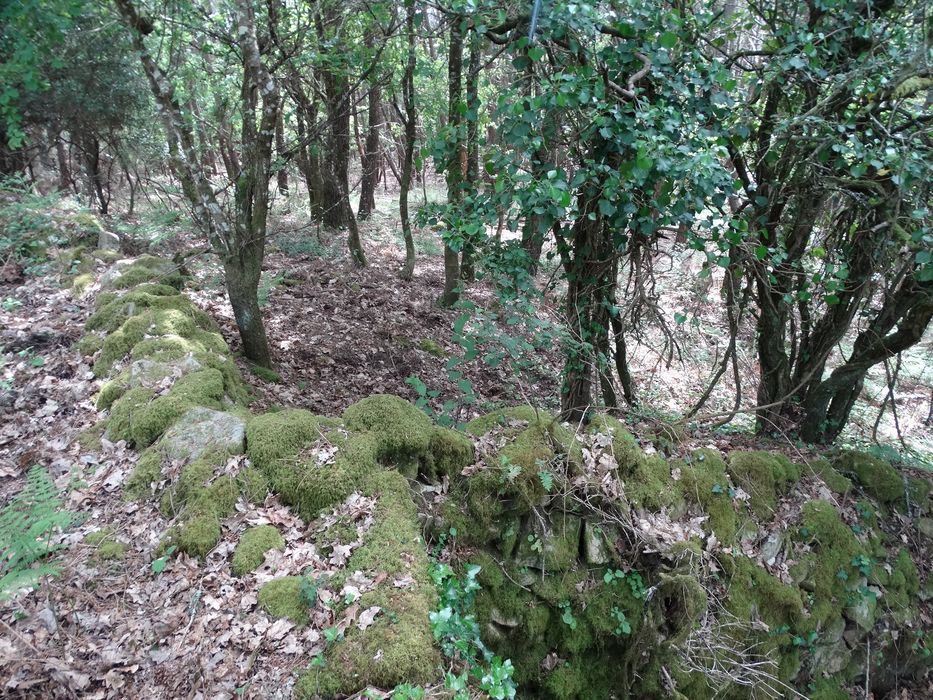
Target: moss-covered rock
(149,421)
(704,481)
(146,473)
(283,434)
(197,535)
(448,453)
(252,547)
(281,597)
(876,477)
(253,485)
(764,476)
(106,545)
(403,432)
(625,448)
(89,344)
(124,410)
(833,564)
(398,647)
(145,269)
(835,481)
(504,417)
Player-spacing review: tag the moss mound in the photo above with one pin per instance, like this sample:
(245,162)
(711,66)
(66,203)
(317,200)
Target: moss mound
(252,547)
(403,432)
(148,268)
(878,478)
(281,597)
(764,477)
(398,647)
(106,546)
(704,482)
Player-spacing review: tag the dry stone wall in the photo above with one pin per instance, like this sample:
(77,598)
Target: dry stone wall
(605,572)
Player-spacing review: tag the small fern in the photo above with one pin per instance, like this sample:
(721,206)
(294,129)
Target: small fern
(27,525)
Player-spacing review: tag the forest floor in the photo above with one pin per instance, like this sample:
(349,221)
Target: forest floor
(338,334)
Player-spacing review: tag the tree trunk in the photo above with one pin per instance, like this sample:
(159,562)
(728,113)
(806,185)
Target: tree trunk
(456,164)
(281,175)
(64,170)
(588,287)
(371,155)
(467,262)
(90,147)
(241,243)
(828,405)
(242,281)
(410,119)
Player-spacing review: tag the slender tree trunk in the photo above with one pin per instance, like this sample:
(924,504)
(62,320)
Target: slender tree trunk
(410,119)
(240,243)
(281,175)
(372,154)
(242,280)
(467,261)
(456,164)
(64,169)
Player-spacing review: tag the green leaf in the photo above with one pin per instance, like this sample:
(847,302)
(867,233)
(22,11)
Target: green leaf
(668,40)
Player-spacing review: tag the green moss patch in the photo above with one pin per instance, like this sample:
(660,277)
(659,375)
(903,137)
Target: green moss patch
(878,478)
(252,547)
(432,347)
(148,471)
(106,546)
(274,436)
(148,268)
(281,597)
(764,477)
(403,432)
(703,481)
(832,566)
(398,647)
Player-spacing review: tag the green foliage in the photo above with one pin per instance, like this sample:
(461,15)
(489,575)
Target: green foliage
(456,630)
(28,526)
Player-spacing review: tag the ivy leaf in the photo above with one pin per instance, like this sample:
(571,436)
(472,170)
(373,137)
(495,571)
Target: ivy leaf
(668,40)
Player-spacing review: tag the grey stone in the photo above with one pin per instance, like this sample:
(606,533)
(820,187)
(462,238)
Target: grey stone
(113,272)
(148,373)
(202,429)
(772,547)
(834,632)
(595,546)
(500,619)
(862,612)
(107,240)
(831,658)
(47,618)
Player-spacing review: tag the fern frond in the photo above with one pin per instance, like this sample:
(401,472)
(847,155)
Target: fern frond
(27,525)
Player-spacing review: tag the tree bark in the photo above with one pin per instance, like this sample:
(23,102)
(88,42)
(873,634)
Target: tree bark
(282,173)
(467,258)
(372,154)
(240,243)
(410,120)
(828,405)
(456,164)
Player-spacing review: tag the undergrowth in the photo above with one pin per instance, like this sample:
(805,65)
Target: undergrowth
(28,524)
